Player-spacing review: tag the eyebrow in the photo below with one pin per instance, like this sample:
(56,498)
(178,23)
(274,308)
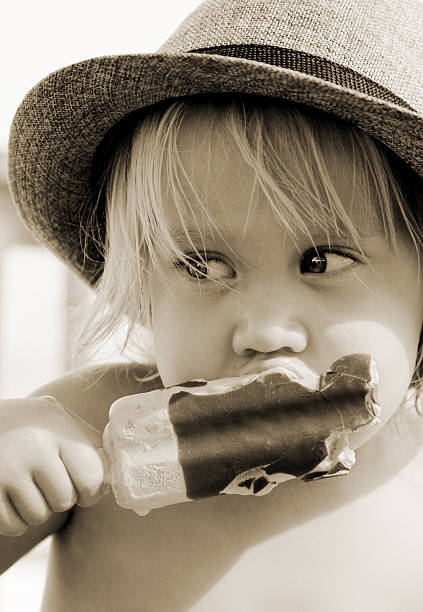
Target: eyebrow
(182,236)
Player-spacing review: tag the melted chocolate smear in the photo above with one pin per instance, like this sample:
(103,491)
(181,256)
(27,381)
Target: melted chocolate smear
(246,483)
(193,383)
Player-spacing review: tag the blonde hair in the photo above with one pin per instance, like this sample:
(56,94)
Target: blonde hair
(145,150)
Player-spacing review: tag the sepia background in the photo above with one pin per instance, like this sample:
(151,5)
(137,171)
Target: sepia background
(36,290)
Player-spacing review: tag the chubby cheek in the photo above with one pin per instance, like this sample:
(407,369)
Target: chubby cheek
(394,351)
(190,340)
(383,319)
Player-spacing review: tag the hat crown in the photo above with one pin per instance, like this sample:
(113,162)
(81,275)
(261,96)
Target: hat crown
(382,40)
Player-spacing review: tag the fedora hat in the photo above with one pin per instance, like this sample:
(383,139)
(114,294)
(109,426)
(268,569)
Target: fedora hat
(360,60)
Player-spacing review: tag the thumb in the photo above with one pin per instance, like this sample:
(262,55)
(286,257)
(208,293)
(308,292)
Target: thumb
(96,439)
(106,468)
(94,436)
(90,432)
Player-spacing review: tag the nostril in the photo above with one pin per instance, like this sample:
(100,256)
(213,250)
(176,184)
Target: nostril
(265,338)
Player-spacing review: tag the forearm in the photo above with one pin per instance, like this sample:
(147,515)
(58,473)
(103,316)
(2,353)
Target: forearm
(12,548)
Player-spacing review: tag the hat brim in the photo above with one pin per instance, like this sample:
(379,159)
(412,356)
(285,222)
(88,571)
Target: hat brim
(62,120)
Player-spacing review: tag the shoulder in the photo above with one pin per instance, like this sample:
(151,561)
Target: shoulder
(91,391)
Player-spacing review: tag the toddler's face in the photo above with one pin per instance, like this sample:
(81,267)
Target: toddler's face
(281,306)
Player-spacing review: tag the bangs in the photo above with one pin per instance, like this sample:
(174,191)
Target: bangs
(294,155)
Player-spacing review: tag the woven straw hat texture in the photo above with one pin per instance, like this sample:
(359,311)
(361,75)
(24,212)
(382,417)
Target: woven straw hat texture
(361,60)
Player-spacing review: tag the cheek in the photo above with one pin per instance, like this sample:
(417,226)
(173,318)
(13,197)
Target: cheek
(394,350)
(383,319)
(172,342)
(190,339)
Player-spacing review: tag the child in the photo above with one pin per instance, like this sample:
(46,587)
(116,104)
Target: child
(273,219)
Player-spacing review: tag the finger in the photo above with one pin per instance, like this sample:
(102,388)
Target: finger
(86,470)
(29,502)
(11,523)
(56,486)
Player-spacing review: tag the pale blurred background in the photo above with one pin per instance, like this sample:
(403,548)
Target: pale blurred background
(36,290)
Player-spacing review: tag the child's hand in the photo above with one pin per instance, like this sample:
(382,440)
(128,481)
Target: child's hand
(47,464)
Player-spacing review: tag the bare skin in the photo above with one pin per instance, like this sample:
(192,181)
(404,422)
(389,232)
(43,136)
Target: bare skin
(344,543)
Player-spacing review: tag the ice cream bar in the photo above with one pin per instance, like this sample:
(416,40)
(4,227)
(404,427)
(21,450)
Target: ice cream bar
(241,435)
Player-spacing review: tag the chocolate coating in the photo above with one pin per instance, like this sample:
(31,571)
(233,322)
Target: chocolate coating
(272,421)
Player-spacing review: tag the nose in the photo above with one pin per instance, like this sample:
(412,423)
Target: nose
(267,330)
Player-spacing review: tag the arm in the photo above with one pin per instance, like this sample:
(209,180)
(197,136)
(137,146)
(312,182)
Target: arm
(13,548)
(47,465)
(89,394)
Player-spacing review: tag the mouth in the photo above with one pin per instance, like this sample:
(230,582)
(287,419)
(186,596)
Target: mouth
(295,371)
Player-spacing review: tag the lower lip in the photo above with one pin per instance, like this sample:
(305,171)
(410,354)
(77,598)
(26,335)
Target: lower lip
(282,370)
(309,379)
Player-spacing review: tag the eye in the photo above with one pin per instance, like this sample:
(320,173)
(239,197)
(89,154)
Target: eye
(206,266)
(325,261)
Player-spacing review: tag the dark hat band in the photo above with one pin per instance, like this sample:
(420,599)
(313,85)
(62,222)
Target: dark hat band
(307,64)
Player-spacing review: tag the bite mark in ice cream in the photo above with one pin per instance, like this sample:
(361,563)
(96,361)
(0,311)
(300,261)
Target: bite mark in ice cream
(237,435)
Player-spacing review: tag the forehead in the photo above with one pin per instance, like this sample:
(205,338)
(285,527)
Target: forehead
(214,171)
